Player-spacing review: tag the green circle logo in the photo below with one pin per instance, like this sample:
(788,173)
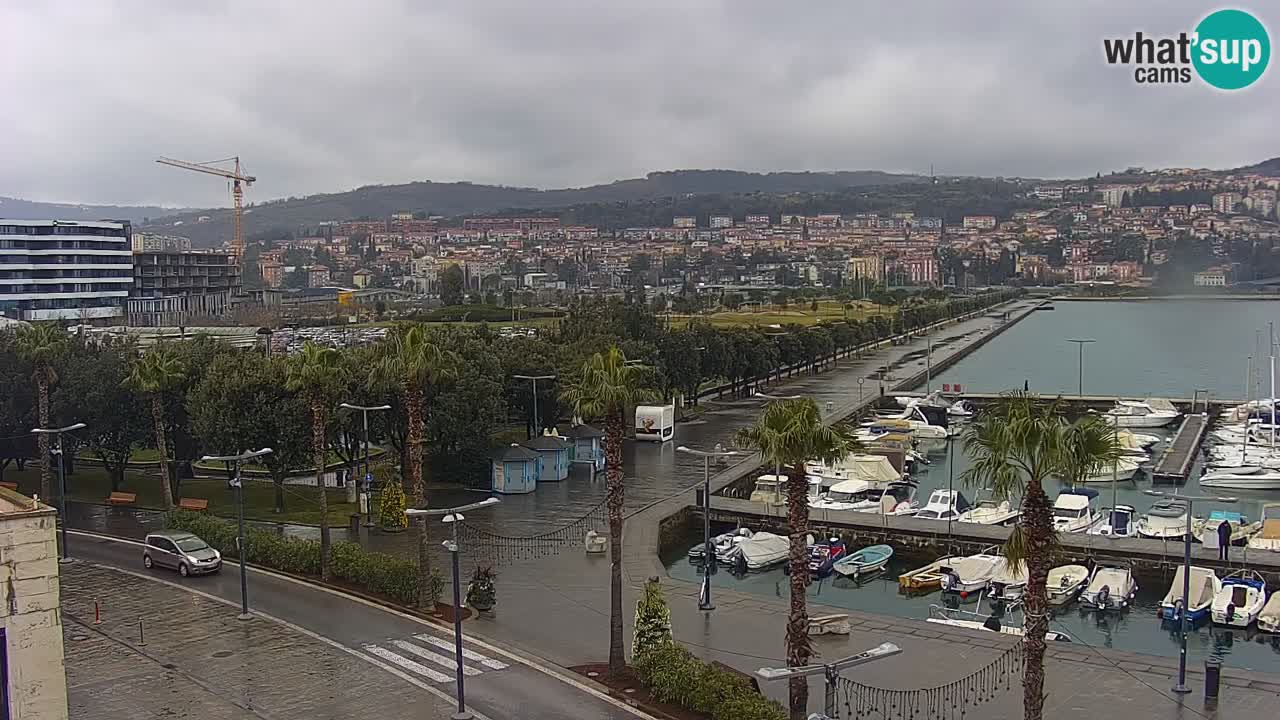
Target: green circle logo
(1232,49)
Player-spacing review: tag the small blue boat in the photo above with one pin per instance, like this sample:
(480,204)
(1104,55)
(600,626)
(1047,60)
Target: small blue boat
(866,561)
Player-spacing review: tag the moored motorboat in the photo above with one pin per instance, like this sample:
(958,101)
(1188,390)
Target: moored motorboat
(944,505)
(972,574)
(1268,538)
(1149,413)
(956,617)
(1269,618)
(1204,586)
(721,545)
(990,512)
(1009,580)
(823,555)
(1240,599)
(1242,478)
(1065,582)
(1166,520)
(1117,522)
(928,577)
(1206,529)
(1124,468)
(1073,510)
(1110,587)
(863,562)
(760,551)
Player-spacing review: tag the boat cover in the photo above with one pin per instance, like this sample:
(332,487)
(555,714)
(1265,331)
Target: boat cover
(1202,588)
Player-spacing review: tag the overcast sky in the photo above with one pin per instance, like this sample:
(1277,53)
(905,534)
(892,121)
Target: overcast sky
(318,97)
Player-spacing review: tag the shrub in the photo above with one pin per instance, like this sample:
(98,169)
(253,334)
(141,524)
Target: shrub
(714,686)
(653,619)
(391,577)
(674,675)
(391,507)
(748,707)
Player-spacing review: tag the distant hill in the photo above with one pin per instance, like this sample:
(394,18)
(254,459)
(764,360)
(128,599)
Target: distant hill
(29,210)
(1270,168)
(459,198)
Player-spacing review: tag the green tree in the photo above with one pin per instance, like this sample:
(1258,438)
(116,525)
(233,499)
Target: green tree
(410,361)
(40,345)
(606,387)
(1014,447)
(153,374)
(653,620)
(92,391)
(452,285)
(789,433)
(316,373)
(16,401)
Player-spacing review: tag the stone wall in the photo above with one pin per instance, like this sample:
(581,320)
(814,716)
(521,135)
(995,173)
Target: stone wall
(29,609)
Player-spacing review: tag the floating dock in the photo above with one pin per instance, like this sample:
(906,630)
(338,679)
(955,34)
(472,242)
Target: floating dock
(1175,462)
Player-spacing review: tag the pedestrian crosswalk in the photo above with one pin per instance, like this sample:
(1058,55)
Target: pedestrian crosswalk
(432,657)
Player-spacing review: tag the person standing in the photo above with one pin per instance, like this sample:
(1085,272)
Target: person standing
(1224,541)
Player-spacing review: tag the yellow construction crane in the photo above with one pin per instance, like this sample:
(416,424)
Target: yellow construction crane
(237,194)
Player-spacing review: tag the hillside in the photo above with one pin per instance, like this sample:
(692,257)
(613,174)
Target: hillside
(379,201)
(1270,168)
(30,210)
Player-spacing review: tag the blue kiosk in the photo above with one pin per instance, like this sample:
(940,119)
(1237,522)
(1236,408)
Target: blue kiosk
(514,470)
(588,446)
(555,457)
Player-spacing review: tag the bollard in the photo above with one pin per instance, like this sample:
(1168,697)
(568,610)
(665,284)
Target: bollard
(353,525)
(1212,678)
(97,613)
(141,639)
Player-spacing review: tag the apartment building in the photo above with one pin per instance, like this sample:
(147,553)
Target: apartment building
(64,270)
(169,288)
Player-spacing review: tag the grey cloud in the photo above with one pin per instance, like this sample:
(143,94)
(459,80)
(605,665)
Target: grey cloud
(325,96)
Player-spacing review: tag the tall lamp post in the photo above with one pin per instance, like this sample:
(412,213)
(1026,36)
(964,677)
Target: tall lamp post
(62,481)
(453,516)
(830,671)
(708,552)
(368,474)
(1080,343)
(1181,687)
(535,378)
(234,461)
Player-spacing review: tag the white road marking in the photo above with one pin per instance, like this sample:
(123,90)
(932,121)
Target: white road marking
(466,653)
(447,662)
(407,664)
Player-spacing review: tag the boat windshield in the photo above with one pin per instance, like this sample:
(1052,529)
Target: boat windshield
(930,514)
(1069,513)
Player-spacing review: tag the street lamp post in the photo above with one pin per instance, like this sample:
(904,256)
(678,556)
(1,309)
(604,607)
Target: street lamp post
(830,671)
(62,482)
(860,381)
(238,484)
(368,473)
(709,555)
(535,378)
(1181,687)
(1080,343)
(454,516)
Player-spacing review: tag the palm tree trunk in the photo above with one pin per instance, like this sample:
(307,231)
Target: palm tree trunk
(162,445)
(46,472)
(318,448)
(1037,518)
(798,648)
(613,430)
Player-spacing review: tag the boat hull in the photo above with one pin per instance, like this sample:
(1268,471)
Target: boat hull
(1241,482)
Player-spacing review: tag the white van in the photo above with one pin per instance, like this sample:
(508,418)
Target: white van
(655,422)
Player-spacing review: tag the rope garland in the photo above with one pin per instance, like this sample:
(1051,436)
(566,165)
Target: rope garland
(497,549)
(950,701)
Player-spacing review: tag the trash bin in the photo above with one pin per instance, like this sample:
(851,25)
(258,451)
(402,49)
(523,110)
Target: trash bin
(1212,678)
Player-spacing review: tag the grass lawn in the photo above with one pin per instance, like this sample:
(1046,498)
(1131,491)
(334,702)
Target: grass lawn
(796,314)
(92,484)
(138,455)
(332,459)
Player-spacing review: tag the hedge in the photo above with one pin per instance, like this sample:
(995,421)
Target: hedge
(675,676)
(385,575)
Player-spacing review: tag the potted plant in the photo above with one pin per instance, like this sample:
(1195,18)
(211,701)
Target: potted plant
(481,593)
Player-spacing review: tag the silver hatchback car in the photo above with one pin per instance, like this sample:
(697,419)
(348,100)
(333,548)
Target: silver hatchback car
(181,551)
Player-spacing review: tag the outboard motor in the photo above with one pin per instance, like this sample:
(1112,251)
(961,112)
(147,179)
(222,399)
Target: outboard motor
(949,580)
(1231,611)
(740,564)
(1104,595)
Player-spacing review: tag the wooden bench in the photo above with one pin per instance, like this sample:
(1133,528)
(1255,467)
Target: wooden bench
(10,485)
(193,504)
(122,498)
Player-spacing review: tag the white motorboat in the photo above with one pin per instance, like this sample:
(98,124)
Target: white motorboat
(868,468)
(990,512)
(896,498)
(1116,522)
(1110,587)
(962,409)
(1166,520)
(1203,589)
(1269,618)
(1268,538)
(1149,413)
(772,489)
(1242,478)
(760,551)
(1124,468)
(1073,510)
(956,617)
(944,505)
(1065,582)
(1009,580)
(1240,599)
(848,495)
(1206,529)
(1134,443)
(863,562)
(721,545)
(971,574)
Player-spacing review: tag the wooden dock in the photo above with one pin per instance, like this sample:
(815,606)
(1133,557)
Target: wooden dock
(1175,462)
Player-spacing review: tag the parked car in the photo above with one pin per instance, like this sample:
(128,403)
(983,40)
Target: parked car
(181,551)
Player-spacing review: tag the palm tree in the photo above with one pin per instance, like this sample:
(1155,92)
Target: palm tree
(39,344)
(315,373)
(411,361)
(153,374)
(1014,448)
(788,433)
(608,386)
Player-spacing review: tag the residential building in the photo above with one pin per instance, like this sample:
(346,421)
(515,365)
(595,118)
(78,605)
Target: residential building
(979,222)
(317,276)
(867,267)
(1262,200)
(684,222)
(721,221)
(31,653)
(169,288)
(1225,202)
(272,274)
(150,242)
(1114,196)
(756,221)
(64,270)
(1212,277)
(362,278)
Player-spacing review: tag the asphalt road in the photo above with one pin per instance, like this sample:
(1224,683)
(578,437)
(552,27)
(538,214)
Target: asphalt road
(499,684)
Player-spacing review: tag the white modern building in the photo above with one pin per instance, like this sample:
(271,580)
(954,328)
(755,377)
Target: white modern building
(64,270)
